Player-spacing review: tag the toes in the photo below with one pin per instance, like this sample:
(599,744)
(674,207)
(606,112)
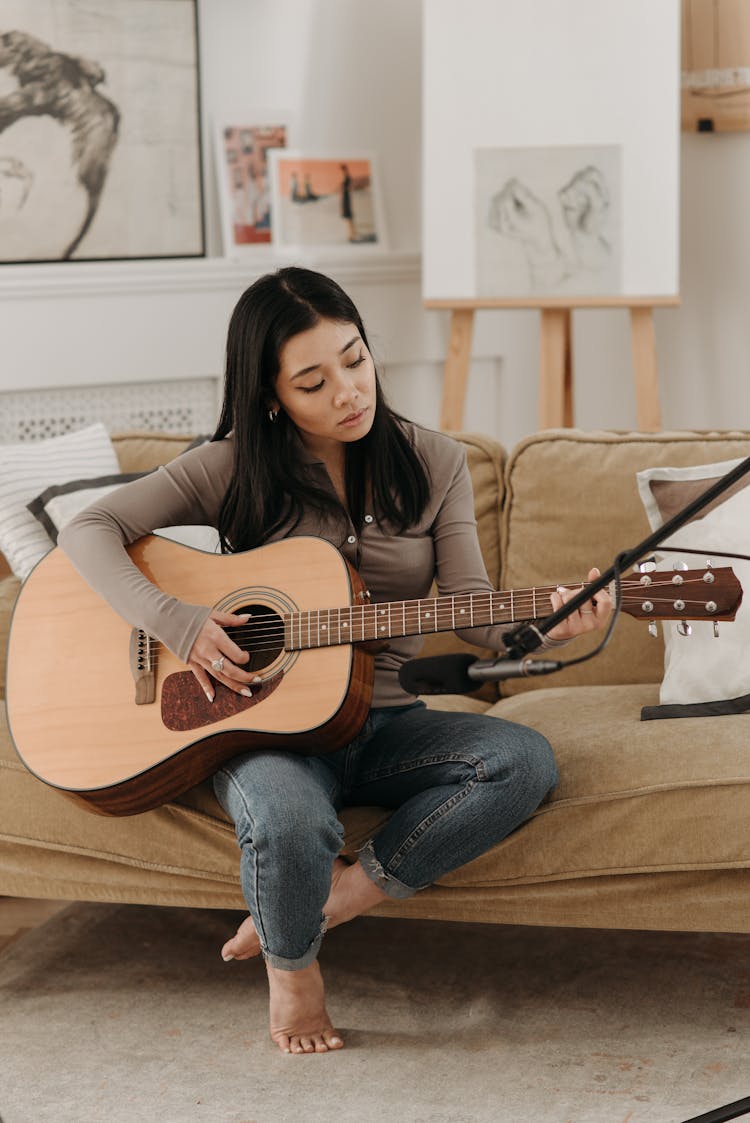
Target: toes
(332,1040)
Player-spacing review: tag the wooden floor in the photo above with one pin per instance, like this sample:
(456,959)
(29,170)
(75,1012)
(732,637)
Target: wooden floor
(19,915)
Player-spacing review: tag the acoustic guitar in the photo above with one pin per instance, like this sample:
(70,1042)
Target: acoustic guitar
(109,716)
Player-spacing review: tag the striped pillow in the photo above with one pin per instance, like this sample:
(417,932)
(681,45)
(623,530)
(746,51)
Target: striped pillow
(27,469)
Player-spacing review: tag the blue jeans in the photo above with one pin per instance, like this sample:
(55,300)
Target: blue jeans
(457,783)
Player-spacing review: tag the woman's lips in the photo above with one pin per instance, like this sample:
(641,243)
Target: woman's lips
(354,418)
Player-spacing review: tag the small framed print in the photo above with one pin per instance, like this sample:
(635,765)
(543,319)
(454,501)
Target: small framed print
(245,202)
(326,201)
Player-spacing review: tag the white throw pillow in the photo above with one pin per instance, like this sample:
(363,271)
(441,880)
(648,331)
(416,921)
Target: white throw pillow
(709,675)
(28,468)
(57,505)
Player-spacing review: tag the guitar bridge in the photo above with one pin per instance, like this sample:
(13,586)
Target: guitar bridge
(142,666)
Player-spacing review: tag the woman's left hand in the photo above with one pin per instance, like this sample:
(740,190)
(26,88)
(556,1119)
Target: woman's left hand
(592,615)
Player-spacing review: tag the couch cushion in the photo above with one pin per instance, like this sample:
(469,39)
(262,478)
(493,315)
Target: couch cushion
(633,797)
(572,502)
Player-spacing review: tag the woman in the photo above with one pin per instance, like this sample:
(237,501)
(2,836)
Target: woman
(307,445)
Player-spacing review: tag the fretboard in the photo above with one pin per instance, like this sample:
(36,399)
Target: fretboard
(326,627)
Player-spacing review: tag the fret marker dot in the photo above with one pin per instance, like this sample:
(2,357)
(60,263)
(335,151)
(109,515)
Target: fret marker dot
(427,615)
(322,627)
(382,628)
(462,612)
(345,624)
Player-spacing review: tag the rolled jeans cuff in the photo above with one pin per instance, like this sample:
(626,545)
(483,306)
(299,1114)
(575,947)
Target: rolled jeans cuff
(304,960)
(385,881)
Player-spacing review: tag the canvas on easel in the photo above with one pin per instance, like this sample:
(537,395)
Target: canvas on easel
(551,175)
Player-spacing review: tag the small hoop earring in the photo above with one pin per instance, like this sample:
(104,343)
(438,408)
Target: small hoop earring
(272,415)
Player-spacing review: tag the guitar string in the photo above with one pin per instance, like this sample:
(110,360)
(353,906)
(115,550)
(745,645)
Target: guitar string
(256,649)
(415,609)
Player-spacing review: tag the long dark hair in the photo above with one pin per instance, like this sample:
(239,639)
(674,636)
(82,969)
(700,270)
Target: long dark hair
(269,483)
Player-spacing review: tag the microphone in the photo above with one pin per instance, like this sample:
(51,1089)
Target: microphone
(463,674)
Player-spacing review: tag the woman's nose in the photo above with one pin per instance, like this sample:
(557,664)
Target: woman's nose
(346,393)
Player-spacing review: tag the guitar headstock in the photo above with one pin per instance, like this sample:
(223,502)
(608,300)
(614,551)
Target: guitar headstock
(692,594)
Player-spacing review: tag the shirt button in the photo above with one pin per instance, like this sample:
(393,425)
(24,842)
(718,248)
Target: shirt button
(368,518)
(351,539)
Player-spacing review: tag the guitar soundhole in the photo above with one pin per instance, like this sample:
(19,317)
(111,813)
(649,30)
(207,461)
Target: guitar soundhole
(262,636)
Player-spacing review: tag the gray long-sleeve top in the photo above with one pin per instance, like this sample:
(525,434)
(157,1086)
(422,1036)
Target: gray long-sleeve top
(189,491)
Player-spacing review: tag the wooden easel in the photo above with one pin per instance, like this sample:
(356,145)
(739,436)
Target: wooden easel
(556,355)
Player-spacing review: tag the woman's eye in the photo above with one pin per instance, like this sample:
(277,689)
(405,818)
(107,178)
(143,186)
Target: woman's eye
(312,389)
(357,362)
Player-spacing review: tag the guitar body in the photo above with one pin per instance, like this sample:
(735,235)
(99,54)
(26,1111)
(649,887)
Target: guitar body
(97,712)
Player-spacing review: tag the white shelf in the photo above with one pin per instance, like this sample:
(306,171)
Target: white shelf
(110,278)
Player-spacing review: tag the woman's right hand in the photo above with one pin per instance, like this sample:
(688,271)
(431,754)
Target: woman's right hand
(214,646)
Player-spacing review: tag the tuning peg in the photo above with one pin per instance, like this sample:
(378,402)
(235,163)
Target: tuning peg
(646,568)
(716,629)
(684,629)
(680,566)
(652,629)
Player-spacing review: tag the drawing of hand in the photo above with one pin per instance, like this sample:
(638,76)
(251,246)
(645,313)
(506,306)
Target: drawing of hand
(585,208)
(516,212)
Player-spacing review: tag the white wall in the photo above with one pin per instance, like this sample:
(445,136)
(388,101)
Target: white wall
(350,71)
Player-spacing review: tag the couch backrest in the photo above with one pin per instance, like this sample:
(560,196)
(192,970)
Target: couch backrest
(572,502)
(139,451)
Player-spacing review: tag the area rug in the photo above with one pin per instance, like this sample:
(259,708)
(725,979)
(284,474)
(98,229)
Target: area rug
(124,1013)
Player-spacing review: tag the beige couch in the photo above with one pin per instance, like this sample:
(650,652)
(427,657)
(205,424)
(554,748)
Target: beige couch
(649,825)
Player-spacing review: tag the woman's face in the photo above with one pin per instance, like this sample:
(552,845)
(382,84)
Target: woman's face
(326,385)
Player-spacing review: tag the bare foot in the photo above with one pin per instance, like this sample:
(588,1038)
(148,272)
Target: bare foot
(299,1019)
(245,943)
(352,893)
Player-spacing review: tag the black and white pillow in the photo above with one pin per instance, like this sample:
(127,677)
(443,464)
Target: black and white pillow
(57,505)
(704,676)
(31,466)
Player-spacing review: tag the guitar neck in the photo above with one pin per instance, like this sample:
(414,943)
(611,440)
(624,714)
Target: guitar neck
(357,623)
(707,594)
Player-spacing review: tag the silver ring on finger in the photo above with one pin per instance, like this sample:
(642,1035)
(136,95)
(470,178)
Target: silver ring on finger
(587,612)
(218,664)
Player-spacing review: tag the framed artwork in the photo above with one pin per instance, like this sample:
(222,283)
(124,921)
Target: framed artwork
(243,176)
(326,201)
(100,145)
